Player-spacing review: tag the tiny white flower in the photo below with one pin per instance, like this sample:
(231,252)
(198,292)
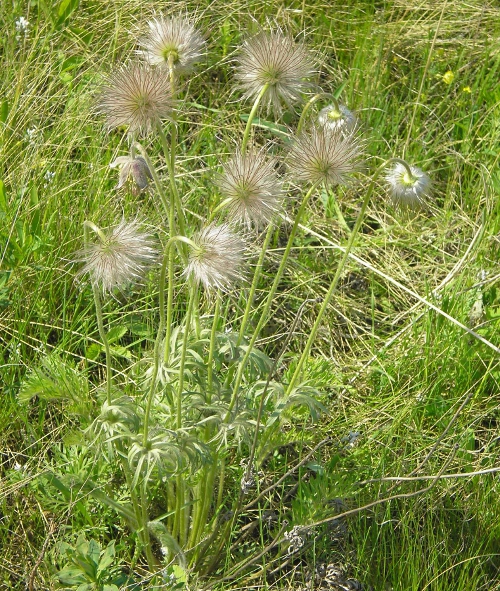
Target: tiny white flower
(33,135)
(22,26)
(48,176)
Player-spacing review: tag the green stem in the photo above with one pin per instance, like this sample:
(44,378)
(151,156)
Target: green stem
(157,182)
(159,335)
(312,335)
(145,520)
(251,117)
(211,351)
(169,153)
(269,301)
(309,104)
(167,261)
(183,360)
(255,281)
(87,226)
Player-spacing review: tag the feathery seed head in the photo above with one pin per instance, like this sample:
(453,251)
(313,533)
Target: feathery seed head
(408,190)
(251,184)
(134,169)
(119,258)
(217,259)
(136,96)
(277,60)
(342,118)
(325,155)
(174,39)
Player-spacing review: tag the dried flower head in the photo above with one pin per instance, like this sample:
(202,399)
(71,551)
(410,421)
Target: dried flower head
(408,190)
(325,155)
(217,259)
(251,184)
(119,258)
(136,96)
(174,40)
(135,170)
(340,118)
(276,60)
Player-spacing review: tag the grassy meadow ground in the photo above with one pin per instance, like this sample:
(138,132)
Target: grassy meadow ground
(408,391)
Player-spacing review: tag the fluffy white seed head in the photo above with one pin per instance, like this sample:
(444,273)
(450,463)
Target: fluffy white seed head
(217,260)
(408,191)
(325,155)
(135,170)
(275,59)
(341,119)
(118,258)
(250,183)
(174,39)
(136,96)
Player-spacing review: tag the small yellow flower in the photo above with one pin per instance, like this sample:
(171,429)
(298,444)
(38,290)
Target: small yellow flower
(467,89)
(448,77)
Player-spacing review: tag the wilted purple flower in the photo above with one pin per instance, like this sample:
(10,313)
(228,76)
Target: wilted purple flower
(135,169)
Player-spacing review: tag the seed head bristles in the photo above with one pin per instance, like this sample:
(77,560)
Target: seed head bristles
(217,259)
(251,184)
(275,59)
(342,118)
(119,257)
(133,169)
(136,96)
(172,37)
(325,155)
(408,191)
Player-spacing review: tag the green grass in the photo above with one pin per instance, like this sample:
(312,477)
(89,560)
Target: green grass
(419,390)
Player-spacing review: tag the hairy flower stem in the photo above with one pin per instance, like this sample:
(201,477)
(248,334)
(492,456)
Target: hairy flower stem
(205,488)
(167,261)
(268,303)
(156,179)
(170,306)
(255,281)
(211,351)
(87,226)
(314,330)
(182,362)
(251,117)
(169,153)
(180,520)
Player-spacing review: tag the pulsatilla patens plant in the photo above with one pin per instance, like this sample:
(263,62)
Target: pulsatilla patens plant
(204,397)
